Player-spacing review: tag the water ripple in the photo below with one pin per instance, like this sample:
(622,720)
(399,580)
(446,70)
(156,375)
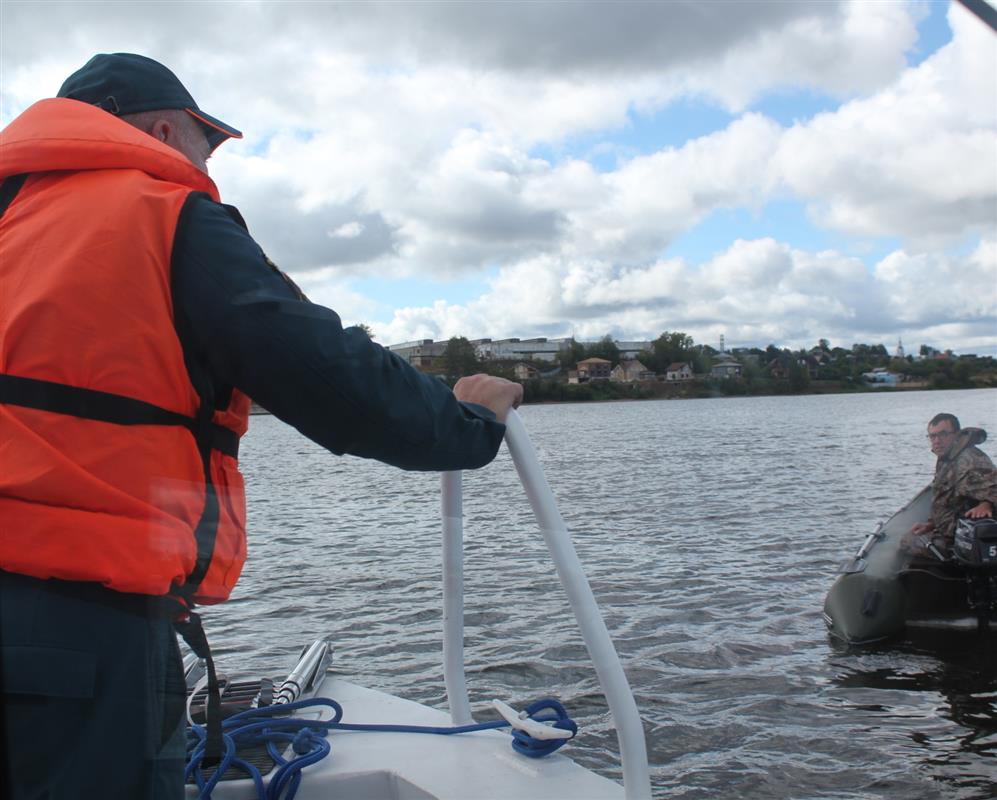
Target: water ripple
(710,531)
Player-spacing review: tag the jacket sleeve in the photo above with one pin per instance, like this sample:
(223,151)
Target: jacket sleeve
(249,326)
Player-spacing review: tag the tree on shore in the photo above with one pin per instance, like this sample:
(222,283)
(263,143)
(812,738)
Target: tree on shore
(799,377)
(459,359)
(568,356)
(669,348)
(605,348)
(702,359)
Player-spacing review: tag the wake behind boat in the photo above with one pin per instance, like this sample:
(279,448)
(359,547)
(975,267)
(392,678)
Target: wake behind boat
(883,591)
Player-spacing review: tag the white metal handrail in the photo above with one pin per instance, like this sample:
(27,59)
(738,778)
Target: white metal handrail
(613,680)
(453,600)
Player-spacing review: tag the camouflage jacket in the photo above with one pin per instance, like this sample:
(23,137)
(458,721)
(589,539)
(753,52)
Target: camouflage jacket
(964,476)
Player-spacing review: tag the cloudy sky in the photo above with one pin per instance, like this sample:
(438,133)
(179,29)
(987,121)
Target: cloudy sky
(774,172)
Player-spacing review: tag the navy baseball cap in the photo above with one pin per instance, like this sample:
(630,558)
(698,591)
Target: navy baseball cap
(125,83)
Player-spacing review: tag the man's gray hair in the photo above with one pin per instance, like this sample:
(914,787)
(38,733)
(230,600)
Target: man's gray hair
(144,120)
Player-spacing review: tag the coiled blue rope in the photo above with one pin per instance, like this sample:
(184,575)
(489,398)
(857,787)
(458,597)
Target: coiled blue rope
(274,727)
(530,746)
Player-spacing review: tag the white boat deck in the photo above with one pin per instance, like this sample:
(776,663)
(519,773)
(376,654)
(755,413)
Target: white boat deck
(470,766)
(412,766)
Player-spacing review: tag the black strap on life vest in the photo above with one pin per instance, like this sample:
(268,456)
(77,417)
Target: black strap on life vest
(207,527)
(76,401)
(193,633)
(205,535)
(120,410)
(201,378)
(9,189)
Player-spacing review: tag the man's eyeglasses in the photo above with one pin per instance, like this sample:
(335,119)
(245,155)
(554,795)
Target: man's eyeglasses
(941,435)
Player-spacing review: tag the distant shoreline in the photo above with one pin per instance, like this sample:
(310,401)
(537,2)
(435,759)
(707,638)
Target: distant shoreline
(595,391)
(703,393)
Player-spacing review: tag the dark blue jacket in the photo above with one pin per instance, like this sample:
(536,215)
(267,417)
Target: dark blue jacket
(243,324)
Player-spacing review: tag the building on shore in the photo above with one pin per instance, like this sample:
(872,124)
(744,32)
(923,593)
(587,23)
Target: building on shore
(420,353)
(423,353)
(726,367)
(679,371)
(525,371)
(594,369)
(539,349)
(631,371)
(631,350)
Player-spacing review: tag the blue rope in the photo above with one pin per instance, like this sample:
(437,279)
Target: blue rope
(523,743)
(274,727)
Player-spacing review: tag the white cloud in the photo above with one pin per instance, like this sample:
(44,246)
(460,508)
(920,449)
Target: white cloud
(853,47)
(652,198)
(755,292)
(402,139)
(349,230)
(916,160)
(931,289)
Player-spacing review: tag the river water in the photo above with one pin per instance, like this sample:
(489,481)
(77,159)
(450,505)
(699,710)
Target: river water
(710,531)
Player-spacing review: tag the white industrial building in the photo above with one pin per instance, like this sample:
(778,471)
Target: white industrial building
(423,352)
(540,349)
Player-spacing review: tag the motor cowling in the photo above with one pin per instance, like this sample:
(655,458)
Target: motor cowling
(975,544)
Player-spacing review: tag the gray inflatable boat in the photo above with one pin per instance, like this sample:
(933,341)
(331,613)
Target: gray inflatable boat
(882,591)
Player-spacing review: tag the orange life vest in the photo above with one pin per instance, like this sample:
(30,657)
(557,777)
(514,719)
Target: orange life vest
(113,468)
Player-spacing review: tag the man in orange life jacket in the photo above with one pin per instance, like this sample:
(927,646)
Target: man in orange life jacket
(138,317)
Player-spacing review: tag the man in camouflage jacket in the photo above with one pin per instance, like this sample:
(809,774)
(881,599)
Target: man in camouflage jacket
(965,483)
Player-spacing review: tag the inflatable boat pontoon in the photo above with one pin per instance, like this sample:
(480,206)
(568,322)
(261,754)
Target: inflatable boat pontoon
(882,590)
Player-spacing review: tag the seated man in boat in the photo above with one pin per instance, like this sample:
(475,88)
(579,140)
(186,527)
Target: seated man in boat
(139,317)
(965,484)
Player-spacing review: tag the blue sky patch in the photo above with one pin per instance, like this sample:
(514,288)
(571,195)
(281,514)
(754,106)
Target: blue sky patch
(673,126)
(933,31)
(422,291)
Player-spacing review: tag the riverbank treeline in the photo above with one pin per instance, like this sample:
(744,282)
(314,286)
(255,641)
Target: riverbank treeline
(771,371)
(552,391)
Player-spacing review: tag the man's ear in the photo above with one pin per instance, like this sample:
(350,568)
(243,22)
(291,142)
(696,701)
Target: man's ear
(161,130)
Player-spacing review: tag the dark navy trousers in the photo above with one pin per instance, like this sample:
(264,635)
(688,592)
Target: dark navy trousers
(92,693)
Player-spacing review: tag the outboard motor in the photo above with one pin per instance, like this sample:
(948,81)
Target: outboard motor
(975,548)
